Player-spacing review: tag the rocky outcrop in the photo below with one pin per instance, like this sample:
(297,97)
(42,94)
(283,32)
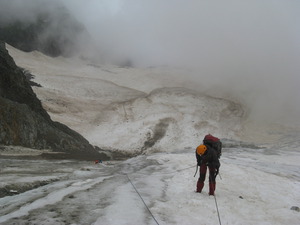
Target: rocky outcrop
(24,122)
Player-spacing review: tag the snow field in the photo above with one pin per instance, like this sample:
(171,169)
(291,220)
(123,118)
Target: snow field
(102,193)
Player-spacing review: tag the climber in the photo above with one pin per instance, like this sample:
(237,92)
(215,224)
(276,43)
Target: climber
(207,157)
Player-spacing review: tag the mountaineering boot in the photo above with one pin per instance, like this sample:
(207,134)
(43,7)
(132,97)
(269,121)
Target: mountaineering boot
(200,185)
(212,188)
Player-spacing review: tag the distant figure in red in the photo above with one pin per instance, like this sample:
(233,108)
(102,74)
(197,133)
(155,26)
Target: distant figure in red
(207,156)
(97,161)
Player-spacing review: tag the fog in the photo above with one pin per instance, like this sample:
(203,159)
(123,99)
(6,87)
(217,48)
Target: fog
(246,50)
(12,10)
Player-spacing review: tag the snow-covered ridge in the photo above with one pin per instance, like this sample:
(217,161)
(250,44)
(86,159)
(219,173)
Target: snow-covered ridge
(167,119)
(128,109)
(136,109)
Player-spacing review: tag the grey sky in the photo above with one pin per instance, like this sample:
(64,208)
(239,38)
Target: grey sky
(247,48)
(250,49)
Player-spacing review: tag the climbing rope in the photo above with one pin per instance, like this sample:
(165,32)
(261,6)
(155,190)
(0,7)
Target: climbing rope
(142,199)
(176,171)
(217,209)
(166,174)
(196,170)
(220,176)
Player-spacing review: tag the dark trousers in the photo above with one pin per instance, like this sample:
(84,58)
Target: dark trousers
(212,179)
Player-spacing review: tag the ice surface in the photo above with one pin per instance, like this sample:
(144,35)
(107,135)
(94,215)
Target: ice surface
(249,191)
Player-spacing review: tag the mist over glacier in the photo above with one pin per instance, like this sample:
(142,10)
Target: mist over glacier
(248,50)
(244,50)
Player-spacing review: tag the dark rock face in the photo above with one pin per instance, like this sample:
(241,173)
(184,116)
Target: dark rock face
(24,122)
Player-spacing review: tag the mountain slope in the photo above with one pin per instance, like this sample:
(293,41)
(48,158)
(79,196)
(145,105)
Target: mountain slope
(129,110)
(23,121)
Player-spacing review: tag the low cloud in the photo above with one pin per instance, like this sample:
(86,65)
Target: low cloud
(246,49)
